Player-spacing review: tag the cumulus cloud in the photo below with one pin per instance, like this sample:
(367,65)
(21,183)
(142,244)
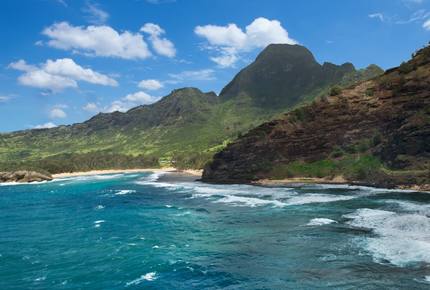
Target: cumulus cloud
(230,40)
(150,84)
(45,126)
(426,25)
(130,101)
(161,45)
(97,41)
(104,41)
(56,75)
(91,107)
(95,14)
(57,113)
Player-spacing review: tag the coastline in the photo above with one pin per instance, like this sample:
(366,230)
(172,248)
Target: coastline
(193,172)
(336,180)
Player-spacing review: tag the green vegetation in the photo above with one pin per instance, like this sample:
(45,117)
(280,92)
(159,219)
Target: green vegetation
(336,90)
(186,127)
(83,162)
(351,166)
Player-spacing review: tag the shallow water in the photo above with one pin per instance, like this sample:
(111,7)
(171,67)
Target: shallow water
(134,231)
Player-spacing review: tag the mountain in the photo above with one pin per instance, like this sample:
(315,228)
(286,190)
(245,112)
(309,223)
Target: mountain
(283,75)
(186,127)
(375,132)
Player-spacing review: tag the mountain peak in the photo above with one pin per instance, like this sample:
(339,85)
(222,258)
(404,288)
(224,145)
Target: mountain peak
(186,90)
(283,51)
(282,75)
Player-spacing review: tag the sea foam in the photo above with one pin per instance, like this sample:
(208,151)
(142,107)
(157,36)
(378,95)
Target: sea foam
(125,191)
(146,277)
(320,222)
(400,238)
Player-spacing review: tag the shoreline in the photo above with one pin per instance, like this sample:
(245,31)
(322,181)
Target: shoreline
(193,172)
(338,180)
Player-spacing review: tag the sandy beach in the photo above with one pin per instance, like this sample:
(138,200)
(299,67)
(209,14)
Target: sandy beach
(112,171)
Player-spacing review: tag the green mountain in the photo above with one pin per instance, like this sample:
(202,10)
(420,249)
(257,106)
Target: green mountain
(376,132)
(186,127)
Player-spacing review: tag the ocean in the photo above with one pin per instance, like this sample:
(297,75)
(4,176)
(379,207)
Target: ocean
(164,231)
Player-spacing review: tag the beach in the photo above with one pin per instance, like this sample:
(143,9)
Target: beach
(194,172)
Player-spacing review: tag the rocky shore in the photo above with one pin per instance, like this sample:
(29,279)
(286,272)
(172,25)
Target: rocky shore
(24,176)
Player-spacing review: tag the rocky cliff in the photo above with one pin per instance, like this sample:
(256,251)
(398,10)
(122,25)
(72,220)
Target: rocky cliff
(376,132)
(24,176)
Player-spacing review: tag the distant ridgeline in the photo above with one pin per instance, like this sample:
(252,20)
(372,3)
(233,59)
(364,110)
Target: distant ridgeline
(376,132)
(186,127)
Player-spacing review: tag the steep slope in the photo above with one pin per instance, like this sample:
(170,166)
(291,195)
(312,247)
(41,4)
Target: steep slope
(283,75)
(376,132)
(186,127)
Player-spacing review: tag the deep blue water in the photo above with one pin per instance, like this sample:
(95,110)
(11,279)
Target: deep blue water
(143,231)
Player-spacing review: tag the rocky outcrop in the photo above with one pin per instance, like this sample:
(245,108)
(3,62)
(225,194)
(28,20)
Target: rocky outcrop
(24,176)
(390,115)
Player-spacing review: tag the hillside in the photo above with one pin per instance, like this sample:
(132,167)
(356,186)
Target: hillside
(376,132)
(186,127)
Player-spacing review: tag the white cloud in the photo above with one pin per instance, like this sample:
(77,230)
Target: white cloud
(161,45)
(4,99)
(426,25)
(130,101)
(45,126)
(95,14)
(57,113)
(225,59)
(43,80)
(417,16)
(192,75)
(58,75)
(22,66)
(378,15)
(230,40)
(150,84)
(68,68)
(97,41)
(139,97)
(91,107)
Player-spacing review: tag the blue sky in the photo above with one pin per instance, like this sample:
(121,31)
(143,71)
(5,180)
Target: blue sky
(63,61)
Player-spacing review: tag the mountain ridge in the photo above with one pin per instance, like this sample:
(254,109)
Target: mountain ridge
(184,128)
(375,132)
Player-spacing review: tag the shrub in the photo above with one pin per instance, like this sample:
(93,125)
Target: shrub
(406,67)
(337,152)
(370,92)
(336,90)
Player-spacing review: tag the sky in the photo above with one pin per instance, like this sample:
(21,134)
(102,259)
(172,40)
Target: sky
(63,61)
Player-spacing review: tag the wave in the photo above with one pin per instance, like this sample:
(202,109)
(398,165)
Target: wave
(400,238)
(146,277)
(249,201)
(357,188)
(24,183)
(320,222)
(249,195)
(409,206)
(125,191)
(317,198)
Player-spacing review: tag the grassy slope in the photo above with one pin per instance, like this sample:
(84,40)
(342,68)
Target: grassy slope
(183,129)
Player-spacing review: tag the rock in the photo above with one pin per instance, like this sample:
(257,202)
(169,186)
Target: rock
(391,113)
(24,176)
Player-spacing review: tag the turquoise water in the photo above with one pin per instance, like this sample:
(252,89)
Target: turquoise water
(155,231)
